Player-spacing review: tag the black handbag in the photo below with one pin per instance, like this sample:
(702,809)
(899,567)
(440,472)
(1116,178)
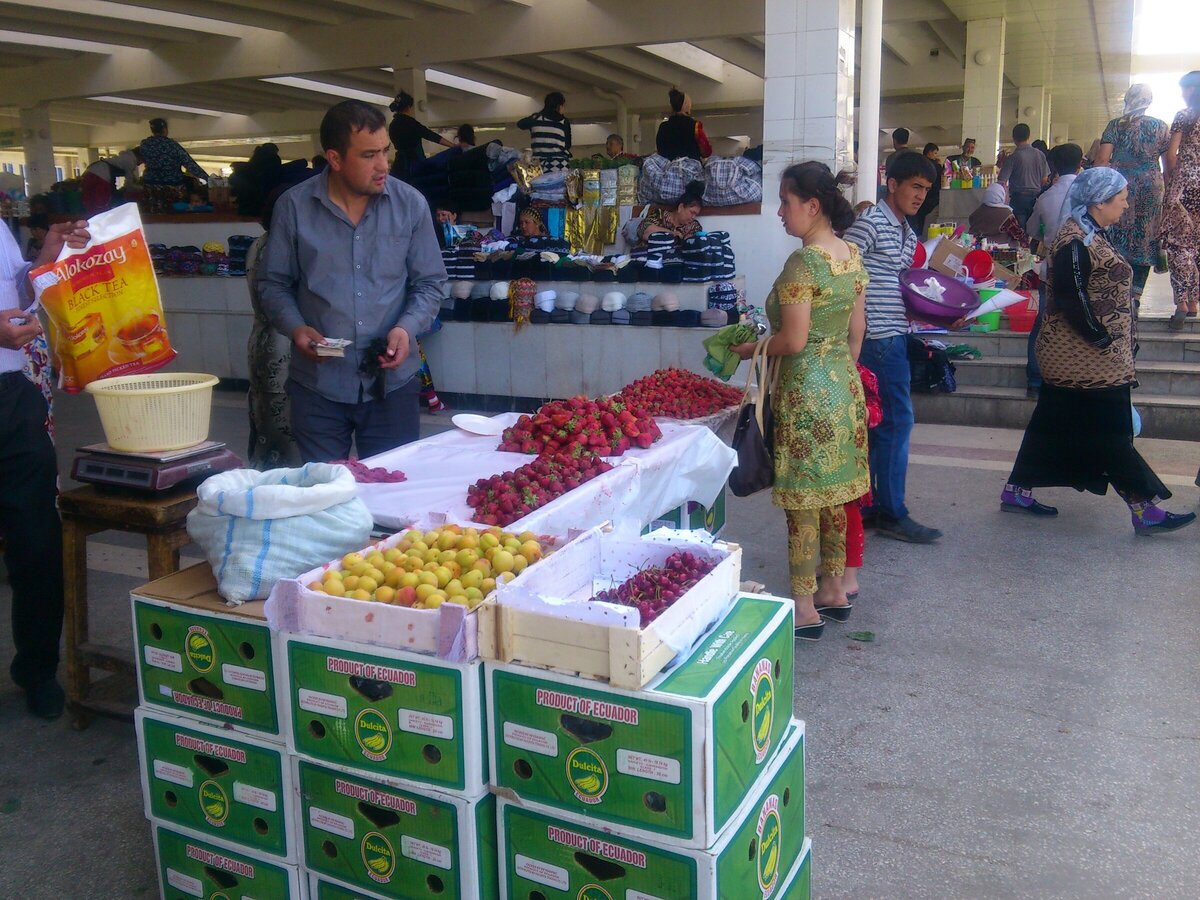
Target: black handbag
(754,434)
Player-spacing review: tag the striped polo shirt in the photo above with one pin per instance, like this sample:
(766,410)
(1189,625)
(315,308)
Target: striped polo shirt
(887,245)
(550,136)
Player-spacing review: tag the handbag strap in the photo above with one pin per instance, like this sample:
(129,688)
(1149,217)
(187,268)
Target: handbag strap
(764,369)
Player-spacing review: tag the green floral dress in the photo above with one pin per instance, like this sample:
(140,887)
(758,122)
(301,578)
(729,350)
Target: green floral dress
(820,412)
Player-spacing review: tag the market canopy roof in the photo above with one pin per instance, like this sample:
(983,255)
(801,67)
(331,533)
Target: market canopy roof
(223,69)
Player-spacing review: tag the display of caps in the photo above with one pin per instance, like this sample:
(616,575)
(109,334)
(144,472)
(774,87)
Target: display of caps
(714,318)
(613,301)
(639,302)
(481,291)
(499,290)
(544,300)
(665,302)
(566,300)
(587,304)
(622,317)
(460,290)
(723,295)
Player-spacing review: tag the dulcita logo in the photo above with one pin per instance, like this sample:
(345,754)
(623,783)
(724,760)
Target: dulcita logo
(593,892)
(378,856)
(214,803)
(770,839)
(220,895)
(710,519)
(374,734)
(587,775)
(199,650)
(762,696)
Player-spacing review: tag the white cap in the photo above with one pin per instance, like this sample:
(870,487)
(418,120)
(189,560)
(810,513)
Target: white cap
(460,290)
(544,300)
(499,290)
(567,300)
(613,301)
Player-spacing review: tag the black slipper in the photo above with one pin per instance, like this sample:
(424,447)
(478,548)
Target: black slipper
(810,632)
(835,613)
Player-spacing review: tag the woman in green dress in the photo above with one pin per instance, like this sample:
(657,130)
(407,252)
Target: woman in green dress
(818,320)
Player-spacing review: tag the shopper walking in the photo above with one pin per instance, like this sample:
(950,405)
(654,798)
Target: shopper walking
(1133,144)
(29,483)
(1048,215)
(816,309)
(1025,172)
(163,178)
(1181,210)
(407,134)
(679,135)
(887,244)
(550,133)
(352,254)
(1081,431)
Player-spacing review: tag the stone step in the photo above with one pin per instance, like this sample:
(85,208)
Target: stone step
(1159,325)
(1175,378)
(1163,415)
(1154,346)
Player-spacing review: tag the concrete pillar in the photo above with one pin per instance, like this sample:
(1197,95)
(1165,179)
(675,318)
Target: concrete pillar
(983,84)
(413,81)
(1062,134)
(1031,109)
(88,155)
(39,149)
(868,107)
(633,138)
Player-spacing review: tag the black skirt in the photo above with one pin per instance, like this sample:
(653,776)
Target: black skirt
(1084,440)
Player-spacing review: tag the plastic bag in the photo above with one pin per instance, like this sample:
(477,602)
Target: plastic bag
(102,301)
(256,528)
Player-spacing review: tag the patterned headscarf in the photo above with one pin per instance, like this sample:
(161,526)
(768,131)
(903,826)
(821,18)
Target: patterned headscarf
(1138,98)
(1093,186)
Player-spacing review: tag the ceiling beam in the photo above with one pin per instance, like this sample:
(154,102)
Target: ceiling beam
(240,13)
(560,26)
(592,71)
(736,52)
(952,34)
(119,16)
(691,59)
(643,66)
(541,82)
(30,52)
(484,76)
(900,41)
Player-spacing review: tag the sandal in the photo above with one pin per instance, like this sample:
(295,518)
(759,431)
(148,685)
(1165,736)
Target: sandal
(1175,323)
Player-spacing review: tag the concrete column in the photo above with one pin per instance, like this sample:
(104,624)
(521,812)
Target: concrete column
(868,107)
(983,84)
(39,149)
(88,155)
(1062,134)
(1031,109)
(413,81)
(633,138)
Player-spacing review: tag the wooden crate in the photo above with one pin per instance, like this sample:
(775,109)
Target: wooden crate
(562,631)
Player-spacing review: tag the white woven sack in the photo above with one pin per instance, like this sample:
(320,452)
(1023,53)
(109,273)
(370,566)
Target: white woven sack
(256,528)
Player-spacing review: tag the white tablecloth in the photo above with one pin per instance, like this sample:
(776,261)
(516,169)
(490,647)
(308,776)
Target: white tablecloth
(689,463)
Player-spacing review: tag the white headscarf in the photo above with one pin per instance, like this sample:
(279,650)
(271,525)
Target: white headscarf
(1093,186)
(996,195)
(1138,98)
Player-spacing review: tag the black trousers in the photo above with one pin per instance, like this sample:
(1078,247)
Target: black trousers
(31,528)
(324,428)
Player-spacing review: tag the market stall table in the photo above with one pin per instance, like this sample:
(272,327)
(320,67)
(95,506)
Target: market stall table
(689,463)
(90,510)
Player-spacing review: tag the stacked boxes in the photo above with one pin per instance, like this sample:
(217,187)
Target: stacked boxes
(391,770)
(692,786)
(217,783)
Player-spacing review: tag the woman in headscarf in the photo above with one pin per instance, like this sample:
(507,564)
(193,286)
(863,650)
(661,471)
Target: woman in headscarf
(1081,431)
(531,224)
(995,220)
(549,133)
(407,134)
(1181,212)
(1133,144)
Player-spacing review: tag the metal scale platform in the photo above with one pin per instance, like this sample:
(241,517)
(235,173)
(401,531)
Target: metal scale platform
(101,464)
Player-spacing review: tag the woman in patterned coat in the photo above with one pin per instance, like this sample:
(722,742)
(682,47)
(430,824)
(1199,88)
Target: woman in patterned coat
(1081,432)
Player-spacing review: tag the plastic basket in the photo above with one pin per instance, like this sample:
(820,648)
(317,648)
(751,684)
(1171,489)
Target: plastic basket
(154,413)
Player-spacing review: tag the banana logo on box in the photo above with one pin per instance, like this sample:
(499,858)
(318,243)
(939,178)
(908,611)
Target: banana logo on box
(374,734)
(770,838)
(593,892)
(587,775)
(214,804)
(378,856)
(762,696)
(199,649)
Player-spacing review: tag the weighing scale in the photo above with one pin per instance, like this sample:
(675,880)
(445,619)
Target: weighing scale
(101,464)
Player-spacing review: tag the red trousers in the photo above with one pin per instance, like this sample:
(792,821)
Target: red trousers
(856,538)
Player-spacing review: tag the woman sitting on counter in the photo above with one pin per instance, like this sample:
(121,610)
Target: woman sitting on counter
(677,218)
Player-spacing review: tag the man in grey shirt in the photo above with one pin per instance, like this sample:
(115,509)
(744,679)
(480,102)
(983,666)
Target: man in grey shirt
(352,255)
(1025,171)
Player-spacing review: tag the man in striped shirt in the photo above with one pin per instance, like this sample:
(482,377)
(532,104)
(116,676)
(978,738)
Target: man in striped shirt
(887,244)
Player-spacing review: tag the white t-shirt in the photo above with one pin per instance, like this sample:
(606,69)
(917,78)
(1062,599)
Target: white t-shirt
(15,292)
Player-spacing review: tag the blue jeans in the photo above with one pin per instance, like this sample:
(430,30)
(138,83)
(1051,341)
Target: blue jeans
(888,359)
(1022,205)
(1033,372)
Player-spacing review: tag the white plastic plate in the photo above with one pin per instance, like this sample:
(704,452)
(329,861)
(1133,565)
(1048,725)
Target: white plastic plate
(477,424)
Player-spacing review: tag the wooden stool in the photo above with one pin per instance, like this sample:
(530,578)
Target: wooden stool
(89,510)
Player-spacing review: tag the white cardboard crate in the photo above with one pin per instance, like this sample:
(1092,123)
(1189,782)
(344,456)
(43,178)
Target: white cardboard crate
(543,617)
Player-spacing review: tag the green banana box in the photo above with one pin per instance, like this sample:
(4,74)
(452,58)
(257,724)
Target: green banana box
(693,516)
(670,763)
(227,788)
(799,883)
(543,855)
(322,889)
(389,714)
(201,659)
(395,842)
(189,868)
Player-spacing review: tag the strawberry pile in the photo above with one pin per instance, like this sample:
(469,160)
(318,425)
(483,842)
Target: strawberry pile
(503,499)
(365,474)
(579,426)
(654,589)
(679,394)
